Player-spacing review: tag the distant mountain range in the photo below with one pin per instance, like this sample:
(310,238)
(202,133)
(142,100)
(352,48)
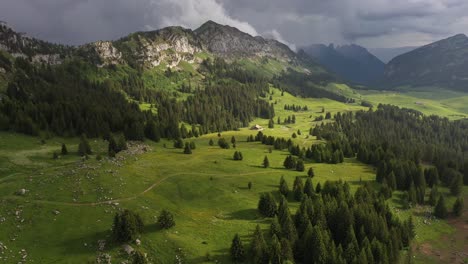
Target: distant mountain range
(169,45)
(443,63)
(352,62)
(387,54)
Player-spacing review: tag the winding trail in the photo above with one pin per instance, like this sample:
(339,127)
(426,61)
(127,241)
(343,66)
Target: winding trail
(123,199)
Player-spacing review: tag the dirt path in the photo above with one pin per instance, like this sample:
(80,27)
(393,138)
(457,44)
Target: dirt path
(151,187)
(456,250)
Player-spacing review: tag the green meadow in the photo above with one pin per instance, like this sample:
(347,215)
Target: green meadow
(70,202)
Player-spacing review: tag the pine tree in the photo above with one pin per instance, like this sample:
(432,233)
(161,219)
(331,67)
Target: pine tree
(309,188)
(275,251)
(298,189)
(283,187)
(64,149)
(433,195)
(267,205)
(440,210)
(211,143)
(319,251)
(458,207)
(233,140)
(237,249)
(258,247)
(249,185)
(300,165)
(310,172)
(286,251)
(275,227)
(187,149)
(456,185)
(127,225)
(289,230)
(178,143)
(266,162)
(166,219)
(192,145)
(84,148)
(271,124)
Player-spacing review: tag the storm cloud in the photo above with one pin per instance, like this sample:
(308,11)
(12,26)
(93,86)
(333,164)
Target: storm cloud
(372,23)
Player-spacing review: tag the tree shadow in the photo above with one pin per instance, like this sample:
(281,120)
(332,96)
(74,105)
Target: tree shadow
(88,244)
(151,228)
(215,256)
(397,199)
(246,214)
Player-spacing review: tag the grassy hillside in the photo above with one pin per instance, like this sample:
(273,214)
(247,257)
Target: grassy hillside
(428,100)
(70,203)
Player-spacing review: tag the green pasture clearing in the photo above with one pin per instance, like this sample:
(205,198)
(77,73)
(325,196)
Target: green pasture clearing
(428,100)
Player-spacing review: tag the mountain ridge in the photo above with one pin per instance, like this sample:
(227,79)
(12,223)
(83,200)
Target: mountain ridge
(151,48)
(441,63)
(352,62)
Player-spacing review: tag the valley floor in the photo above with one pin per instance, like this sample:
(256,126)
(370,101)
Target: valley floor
(69,203)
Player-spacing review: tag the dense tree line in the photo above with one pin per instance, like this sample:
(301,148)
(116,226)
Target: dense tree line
(332,152)
(69,100)
(296,108)
(331,226)
(308,85)
(397,141)
(63,101)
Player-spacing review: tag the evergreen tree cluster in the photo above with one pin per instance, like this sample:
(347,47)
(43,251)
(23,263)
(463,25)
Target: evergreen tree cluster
(63,101)
(332,227)
(127,226)
(397,141)
(298,83)
(296,108)
(290,120)
(238,155)
(69,100)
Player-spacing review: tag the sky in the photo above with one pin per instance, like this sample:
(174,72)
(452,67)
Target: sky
(371,23)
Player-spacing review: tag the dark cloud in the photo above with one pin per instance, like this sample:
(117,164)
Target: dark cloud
(374,23)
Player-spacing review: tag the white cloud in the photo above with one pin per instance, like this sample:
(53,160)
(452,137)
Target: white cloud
(274,34)
(193,13)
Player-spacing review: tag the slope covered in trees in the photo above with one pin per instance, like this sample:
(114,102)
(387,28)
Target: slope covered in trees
(398,141)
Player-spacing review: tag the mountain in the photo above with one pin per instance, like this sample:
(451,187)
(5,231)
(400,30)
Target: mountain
(443,63)
(352,62)
(387,54)
(226,41)
(169,45)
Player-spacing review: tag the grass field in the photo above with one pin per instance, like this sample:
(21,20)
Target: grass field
(70,203)
(428,100)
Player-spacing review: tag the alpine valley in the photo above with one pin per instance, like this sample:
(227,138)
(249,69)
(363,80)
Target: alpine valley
(215,146)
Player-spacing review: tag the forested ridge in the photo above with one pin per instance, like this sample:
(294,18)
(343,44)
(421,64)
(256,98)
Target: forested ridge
(63,100)
(399,141)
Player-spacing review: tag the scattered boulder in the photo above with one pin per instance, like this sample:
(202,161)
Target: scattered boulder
(21,192)
(104,258)
(138,242)
(56,212)
(128,249)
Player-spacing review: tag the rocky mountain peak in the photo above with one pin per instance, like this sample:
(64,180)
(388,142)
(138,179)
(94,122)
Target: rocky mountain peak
(227,41)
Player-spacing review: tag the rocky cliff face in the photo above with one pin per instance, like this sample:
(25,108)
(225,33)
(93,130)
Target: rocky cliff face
(443,63)
(168,46)
(228,42)
(19,45)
